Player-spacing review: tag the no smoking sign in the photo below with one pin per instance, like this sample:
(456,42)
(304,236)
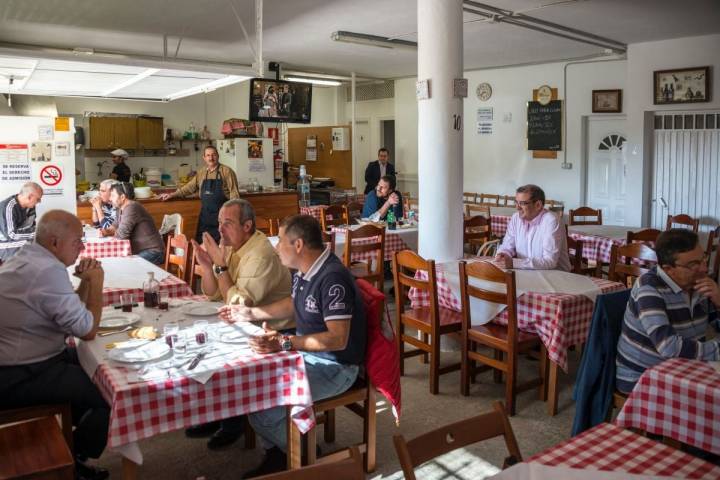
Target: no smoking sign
(50,175)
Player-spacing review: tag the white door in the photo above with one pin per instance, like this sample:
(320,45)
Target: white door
(606,183)
(362,152)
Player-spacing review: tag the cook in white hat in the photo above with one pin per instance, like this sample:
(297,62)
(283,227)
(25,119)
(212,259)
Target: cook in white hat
(121,172)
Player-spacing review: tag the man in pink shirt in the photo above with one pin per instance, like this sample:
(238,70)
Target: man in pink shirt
(535,238)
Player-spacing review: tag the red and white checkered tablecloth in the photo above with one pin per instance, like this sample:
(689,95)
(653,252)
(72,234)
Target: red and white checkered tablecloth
(315,211)
(597,247)
(393,243)
(249,384)
(172,284)
(560,319)
(499,224)
(611,448)
(106,247)
(680,399)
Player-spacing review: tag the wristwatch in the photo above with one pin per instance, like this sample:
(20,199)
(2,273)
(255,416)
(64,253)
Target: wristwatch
(285,343)
(217,269)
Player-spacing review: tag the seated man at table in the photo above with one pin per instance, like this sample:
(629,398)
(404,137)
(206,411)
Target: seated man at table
(331,328)
(103,212)
(135,223)
(243,270)
(17,219)
(535,238)
(382,199)
(40,309)
(669,310)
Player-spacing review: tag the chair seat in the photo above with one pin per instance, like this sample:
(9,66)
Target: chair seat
(423,316)
(34,447)
(494,330)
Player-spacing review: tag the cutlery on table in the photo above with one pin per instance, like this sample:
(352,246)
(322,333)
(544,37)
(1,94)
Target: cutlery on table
(113,332)
(196,360)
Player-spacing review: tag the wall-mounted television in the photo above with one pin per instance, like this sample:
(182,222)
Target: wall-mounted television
(280,101)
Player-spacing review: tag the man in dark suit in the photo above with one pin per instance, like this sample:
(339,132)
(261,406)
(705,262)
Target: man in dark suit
(378,169)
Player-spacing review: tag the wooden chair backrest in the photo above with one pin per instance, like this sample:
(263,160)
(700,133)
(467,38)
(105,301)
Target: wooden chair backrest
(489,248)
(376,244)
(61,410)
(575,250)
(346,464)
(334,215)
(489,199)
(648,235)
(178,256)
(713,252)
(508,200)
(625,271)
(476,230)
(329,240)
(683,219)
(476,210)
(456,435)
(554,203)
(405,265)
(196,273)
(352,212)
(469,197)
(268,226)
(585,212)
(488,272)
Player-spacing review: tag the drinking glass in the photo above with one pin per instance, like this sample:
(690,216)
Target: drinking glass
(170,332)
(163,300)
(200,328)
(126,302)
(180,343)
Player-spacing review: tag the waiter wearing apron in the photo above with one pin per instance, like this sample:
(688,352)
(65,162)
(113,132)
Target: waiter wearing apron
(216,183)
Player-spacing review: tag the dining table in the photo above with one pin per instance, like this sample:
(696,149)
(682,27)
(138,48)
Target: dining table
(678,399)
(598,240)
(403,237)
(153,389)
(609,452)
(101,247)
(499,219)
(557,306)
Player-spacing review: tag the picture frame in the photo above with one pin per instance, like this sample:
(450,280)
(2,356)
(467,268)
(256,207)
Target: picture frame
(681,85)
(607,101)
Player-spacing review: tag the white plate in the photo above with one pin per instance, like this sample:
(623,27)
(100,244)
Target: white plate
(118,319)
(201,309)
(144,353)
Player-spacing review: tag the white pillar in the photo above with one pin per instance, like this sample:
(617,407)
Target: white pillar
(440,144)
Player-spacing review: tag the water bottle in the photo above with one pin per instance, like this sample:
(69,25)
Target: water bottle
(151,287)
(391,220)
(303,187)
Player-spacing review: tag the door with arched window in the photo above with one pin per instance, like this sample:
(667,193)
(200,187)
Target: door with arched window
(606,179)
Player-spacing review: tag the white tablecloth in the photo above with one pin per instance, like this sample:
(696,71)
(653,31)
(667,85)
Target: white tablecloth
(124,272)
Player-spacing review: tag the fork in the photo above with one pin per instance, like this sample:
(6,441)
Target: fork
(105,334)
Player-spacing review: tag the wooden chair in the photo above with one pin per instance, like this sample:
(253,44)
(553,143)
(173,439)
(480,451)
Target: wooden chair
(477,210)
(682,219)
(172,224)
(195,275)
(334,215)
(489,248)
(648,236)
(367,240)
(507,341)
(329,240)
(553,203)
(476,231)
(457,435)
(431,322)
(489,199)
(558,210)
(580,265)
(268,226)
(469,197)
(509,200)
(33,445)
(627,270)
(585,212)
(411,204)
(713,252)
(352,212)
(345,464)
(178,256)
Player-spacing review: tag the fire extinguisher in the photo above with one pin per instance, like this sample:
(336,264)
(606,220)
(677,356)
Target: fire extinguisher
(278,163)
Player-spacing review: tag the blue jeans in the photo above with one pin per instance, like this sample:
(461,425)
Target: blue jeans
(153,256)
(326,377)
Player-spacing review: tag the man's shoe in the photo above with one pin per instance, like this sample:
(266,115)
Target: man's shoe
(201,431)
(223,438)
(88,472)
(274,461)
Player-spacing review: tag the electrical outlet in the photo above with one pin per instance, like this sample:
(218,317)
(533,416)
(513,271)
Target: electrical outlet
(566,166)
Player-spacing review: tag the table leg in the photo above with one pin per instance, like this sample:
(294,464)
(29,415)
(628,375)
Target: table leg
(129,469)
(294,446)
(553,389)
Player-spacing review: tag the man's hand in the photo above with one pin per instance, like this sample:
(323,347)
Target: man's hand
(708,289)
(236,313)
(393,199)
(165,196)
(503,260)
(105,232)
(89,269)
(96,202)
(216,252)
(269,342)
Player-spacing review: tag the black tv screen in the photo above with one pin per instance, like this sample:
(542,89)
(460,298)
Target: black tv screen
(280,101)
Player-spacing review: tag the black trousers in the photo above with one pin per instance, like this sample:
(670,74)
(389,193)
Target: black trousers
(60,379)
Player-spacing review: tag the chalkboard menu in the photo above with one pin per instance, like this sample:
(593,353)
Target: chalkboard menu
(544,126)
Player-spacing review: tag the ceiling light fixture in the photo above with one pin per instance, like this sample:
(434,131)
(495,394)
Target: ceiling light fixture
(315,81)
(207,87)
(372,40)
(131,81)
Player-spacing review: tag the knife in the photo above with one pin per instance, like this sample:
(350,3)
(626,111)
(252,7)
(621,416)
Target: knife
(196,360)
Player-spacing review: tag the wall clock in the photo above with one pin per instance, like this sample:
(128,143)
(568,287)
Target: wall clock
(544,94)
(484,91)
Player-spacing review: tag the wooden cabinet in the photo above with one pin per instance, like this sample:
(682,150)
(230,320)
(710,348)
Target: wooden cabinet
(150,133)
(130,133)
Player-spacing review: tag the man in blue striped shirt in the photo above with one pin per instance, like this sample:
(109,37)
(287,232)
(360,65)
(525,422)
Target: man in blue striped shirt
(669,310)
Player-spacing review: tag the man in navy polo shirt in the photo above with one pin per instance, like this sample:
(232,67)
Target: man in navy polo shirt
(330,325)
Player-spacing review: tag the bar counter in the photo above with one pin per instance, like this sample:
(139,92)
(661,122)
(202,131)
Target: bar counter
(266,204)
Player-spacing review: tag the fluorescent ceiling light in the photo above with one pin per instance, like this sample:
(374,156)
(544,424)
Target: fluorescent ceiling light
(130,81)
(206,87)
(372,40)
(316,81)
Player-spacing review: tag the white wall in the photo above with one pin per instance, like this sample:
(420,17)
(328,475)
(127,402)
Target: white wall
(643,59)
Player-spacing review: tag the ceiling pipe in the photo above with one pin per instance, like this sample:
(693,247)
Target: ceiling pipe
(260,65)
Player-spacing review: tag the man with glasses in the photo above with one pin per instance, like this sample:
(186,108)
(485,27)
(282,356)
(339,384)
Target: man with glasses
(17,219)
(669,310)
(383,199)
(535,238)
(103,212)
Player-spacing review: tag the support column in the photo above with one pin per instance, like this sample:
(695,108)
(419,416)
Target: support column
(440,130)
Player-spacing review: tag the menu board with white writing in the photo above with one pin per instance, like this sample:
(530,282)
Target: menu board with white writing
(544,126)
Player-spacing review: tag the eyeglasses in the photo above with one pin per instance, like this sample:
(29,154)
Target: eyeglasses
(525,203)
(695,263)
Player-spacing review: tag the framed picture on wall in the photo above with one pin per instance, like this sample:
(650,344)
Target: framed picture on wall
(685,85)
(607,101)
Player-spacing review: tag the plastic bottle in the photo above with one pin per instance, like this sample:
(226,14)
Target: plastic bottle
(303,187)
(151,287)
(391,220)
